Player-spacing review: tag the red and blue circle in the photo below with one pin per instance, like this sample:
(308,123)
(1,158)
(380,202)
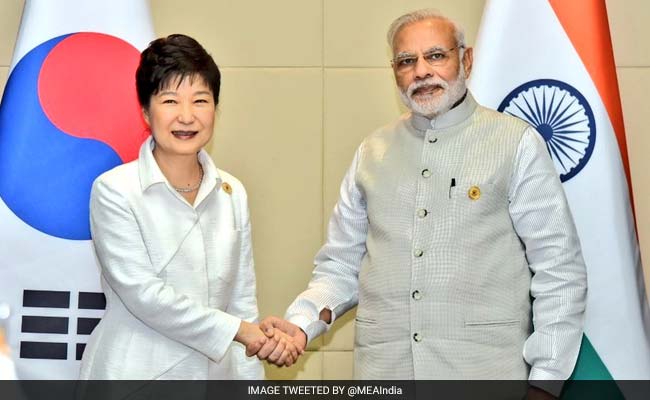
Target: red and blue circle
(69,112)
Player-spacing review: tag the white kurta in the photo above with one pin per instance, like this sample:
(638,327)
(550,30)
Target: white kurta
(444,231)
(178,278)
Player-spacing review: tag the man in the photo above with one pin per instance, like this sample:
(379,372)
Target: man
(451,229)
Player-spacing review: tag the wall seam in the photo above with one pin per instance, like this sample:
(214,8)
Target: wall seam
(322,158)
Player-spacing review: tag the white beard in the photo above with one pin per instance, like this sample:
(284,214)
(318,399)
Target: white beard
(432,105)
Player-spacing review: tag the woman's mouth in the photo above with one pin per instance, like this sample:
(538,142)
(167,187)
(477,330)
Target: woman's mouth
(183,135)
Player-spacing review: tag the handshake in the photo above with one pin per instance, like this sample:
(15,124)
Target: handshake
(275,340)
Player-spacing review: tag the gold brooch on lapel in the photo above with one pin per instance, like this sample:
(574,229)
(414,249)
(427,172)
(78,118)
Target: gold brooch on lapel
(474,193)
(226,187)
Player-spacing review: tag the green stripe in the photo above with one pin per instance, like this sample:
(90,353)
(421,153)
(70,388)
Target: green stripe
(590,367)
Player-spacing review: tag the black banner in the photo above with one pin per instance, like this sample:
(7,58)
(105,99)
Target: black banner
(331,390)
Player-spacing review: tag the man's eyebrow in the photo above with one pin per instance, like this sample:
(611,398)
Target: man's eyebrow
(404,54)
(429,50)
(435,48)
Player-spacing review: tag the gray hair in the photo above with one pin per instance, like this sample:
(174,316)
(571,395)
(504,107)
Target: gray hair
(420,15)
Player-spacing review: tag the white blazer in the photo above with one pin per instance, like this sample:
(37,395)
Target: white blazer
(178,278)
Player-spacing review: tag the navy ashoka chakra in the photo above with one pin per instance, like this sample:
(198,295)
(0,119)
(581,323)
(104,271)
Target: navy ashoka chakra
(561,114)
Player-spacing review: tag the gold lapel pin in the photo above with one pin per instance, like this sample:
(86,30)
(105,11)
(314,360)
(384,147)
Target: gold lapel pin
(226,187)
(474,193)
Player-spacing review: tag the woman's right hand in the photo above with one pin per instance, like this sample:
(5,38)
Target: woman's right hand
(281,349)
(251,337)
(278,349)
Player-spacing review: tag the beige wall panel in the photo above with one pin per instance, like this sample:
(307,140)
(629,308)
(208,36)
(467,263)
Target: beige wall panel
(635,86)
(357,102)
(248,32)
(355,31)
(628,23)
(4,74)
(268,134)
(338,365)
(341,335)
(10,13)
(308,367)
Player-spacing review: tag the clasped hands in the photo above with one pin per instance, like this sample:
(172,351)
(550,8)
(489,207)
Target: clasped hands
(275,340)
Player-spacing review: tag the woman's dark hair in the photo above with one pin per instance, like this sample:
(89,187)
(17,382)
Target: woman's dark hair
(172,58)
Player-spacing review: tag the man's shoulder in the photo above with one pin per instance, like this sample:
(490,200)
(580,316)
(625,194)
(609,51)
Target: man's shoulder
(493,117)
(389,129)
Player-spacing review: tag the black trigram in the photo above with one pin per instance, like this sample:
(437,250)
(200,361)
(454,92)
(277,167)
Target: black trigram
(56,324)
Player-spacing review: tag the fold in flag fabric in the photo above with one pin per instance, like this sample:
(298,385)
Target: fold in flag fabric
(550,63)
(68,113)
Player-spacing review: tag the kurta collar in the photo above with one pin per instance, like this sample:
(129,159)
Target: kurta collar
(150,173)
(452,117)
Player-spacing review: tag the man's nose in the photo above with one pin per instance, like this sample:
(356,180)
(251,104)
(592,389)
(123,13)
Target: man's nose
(423,69)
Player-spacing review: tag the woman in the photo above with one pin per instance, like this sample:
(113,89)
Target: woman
(173,239)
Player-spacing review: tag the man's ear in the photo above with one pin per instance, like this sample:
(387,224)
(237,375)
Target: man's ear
(468,60)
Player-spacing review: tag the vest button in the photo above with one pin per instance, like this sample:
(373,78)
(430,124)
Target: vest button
(416,295)
(418,252)
(422,213)
(432,139)
(417,337)
(426,173)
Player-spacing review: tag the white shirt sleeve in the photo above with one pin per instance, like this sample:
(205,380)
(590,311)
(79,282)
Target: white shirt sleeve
(542,219)
(335,281)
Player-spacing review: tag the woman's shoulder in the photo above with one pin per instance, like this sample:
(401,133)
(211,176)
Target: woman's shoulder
(122,176)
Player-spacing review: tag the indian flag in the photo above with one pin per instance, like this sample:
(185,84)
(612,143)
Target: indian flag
(68,113)
(550,62)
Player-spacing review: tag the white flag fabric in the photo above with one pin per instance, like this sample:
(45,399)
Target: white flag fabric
(69,112)
(550,62)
